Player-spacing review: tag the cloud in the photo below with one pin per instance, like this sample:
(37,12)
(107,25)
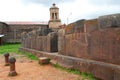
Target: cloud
(70,10)
(87,10)
(104,2)
(46,2)
(17,11)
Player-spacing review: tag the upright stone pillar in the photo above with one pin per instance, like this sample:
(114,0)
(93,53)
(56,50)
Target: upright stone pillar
(6,59)
(12,72)
(61,41)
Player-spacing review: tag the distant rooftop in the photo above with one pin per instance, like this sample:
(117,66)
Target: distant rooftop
(26,22)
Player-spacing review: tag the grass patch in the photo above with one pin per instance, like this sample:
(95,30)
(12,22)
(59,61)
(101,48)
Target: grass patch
(29,55)
(68,70)
(85,76)
(14,48)
(88,76)
(7,47)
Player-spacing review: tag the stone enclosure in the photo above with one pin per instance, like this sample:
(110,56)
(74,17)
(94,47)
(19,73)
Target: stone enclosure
(91,46)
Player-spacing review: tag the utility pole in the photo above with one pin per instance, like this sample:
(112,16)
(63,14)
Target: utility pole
(68,18)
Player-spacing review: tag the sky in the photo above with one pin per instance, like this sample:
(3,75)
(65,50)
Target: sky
(69,10)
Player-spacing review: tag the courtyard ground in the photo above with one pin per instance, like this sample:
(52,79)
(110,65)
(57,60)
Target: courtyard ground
(30,70)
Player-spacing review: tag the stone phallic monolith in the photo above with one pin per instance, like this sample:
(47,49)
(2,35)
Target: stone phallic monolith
(12,72)
(6,55)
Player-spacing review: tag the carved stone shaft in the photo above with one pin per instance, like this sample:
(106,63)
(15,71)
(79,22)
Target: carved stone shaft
(6,55)
(12,72)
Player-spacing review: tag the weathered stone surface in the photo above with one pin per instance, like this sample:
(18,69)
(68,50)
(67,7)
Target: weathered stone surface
(76,45)
(92,43)
(70,28)
(12,72)
(90,25)
(117,74)
(98,46)
(6,54)
(103,71)
(43,32)
(79,26)
(44,43)
(104,46)
(61,41)
(44,60)
(12,60)
(39,44)
(6,59)
(109,21)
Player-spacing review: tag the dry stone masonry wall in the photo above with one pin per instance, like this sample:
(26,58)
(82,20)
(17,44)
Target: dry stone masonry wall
(91,46)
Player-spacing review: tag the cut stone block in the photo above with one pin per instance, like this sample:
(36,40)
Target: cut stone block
(109,21)
(44,60)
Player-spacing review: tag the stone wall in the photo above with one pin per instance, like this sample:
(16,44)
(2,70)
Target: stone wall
(14,34)
(91,46)
(96,39)
(109,21)
(91,39)
(42,40)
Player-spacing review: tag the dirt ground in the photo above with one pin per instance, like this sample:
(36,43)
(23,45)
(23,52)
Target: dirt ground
(30,70)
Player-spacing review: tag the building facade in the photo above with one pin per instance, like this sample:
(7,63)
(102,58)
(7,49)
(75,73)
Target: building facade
(54,21)
(12,30)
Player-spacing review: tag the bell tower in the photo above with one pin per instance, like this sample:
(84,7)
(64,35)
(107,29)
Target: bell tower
(54,21)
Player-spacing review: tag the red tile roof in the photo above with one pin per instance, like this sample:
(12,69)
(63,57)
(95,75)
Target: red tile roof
(26,22)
